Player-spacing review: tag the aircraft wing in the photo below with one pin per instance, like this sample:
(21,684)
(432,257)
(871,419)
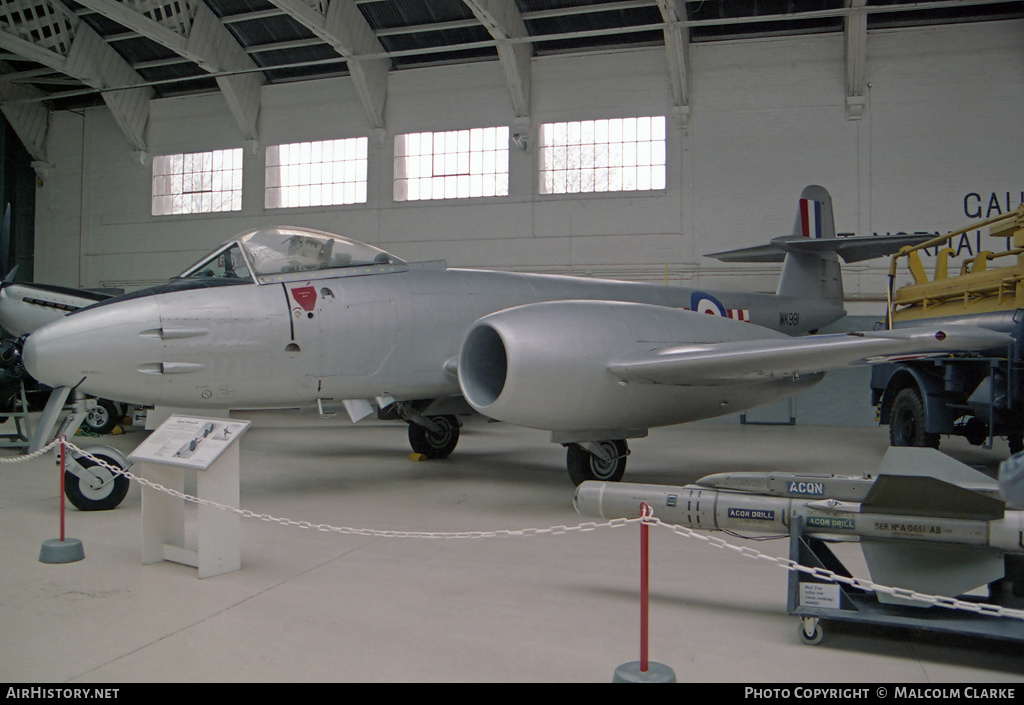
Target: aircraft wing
(765,359)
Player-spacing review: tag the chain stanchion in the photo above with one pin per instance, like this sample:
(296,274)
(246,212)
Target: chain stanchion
(61,550)
(644,671)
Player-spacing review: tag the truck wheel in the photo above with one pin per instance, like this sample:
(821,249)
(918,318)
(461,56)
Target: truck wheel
(907,421)
(1016,442)
(976,431)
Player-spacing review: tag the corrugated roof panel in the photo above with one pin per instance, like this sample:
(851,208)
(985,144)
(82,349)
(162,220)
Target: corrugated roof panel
(923,15)
(231,8)
(412,31)
(136,50)
(389,14)
(730,19)
(262,31)
(578,31)
(300,63)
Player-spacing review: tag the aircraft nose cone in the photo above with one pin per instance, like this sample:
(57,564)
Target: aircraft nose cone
(91,344)
(46,356)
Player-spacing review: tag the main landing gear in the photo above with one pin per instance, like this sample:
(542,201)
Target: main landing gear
(601,460)
(434,436)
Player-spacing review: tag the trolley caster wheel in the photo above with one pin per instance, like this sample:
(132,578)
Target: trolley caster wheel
(810,631)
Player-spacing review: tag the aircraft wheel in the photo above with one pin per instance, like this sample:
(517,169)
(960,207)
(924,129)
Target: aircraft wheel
(103,417)
(584,466)
(435,445)
(816,634)
(906,422)
(83,492)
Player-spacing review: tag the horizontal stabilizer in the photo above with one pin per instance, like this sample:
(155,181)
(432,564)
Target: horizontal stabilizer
(851,249)
(761,253)
(927,496)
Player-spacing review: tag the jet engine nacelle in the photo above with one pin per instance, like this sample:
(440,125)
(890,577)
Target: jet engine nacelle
(545,366)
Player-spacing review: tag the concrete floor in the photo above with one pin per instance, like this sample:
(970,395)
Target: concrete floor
(311,606)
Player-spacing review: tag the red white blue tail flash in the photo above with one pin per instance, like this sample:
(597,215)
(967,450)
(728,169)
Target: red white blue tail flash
(810,218)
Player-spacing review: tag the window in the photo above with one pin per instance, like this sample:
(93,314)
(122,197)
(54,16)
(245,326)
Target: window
(226,264)
(622,154)
(201,182)
(455,164)
(327,173)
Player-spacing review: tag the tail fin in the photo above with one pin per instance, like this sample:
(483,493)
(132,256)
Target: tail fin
(814,274)
(810,264)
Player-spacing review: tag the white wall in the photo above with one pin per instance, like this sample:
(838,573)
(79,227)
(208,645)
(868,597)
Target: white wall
(767,118)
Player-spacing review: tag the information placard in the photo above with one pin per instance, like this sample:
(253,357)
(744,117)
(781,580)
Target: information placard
(189,441)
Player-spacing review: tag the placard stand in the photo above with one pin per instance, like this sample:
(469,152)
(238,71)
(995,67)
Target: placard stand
(209,448)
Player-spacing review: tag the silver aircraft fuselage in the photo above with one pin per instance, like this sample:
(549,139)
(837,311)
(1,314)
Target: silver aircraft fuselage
(287,317)
(386,329)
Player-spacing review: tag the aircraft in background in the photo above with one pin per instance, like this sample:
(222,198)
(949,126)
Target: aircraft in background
(289,317)
(26,306)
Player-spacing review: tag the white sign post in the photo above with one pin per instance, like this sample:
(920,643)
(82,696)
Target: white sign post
(209,448)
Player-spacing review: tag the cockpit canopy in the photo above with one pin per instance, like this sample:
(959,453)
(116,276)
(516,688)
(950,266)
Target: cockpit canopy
(284,253)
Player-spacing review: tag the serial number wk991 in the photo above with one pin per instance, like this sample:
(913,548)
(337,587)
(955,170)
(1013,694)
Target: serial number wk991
(789,318)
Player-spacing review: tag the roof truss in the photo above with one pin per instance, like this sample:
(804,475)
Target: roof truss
(49,34)
(504,22)
(75,53)
(341,25)
(192,31)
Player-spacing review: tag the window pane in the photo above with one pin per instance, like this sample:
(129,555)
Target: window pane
(201,182)
(453,164)
(602,155)
(325,173)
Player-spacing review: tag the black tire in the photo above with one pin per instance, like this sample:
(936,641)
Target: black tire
(907,419)
(976,431)
(84,497)
(103,417)
(435,445)
(584,466)
(1016,443)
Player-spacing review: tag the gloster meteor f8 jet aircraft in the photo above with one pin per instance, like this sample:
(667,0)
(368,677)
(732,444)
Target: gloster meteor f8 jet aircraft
(288,317)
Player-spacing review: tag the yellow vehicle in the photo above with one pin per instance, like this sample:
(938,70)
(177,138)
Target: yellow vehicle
(978,396)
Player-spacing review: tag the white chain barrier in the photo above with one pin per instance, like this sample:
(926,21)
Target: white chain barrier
(648,517)
(32,456)
(860,583)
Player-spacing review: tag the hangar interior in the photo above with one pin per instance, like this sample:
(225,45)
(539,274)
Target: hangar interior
(143,133)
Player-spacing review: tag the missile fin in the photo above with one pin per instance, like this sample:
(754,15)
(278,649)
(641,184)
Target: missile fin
(900,460)
(933,569)
(926,496)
